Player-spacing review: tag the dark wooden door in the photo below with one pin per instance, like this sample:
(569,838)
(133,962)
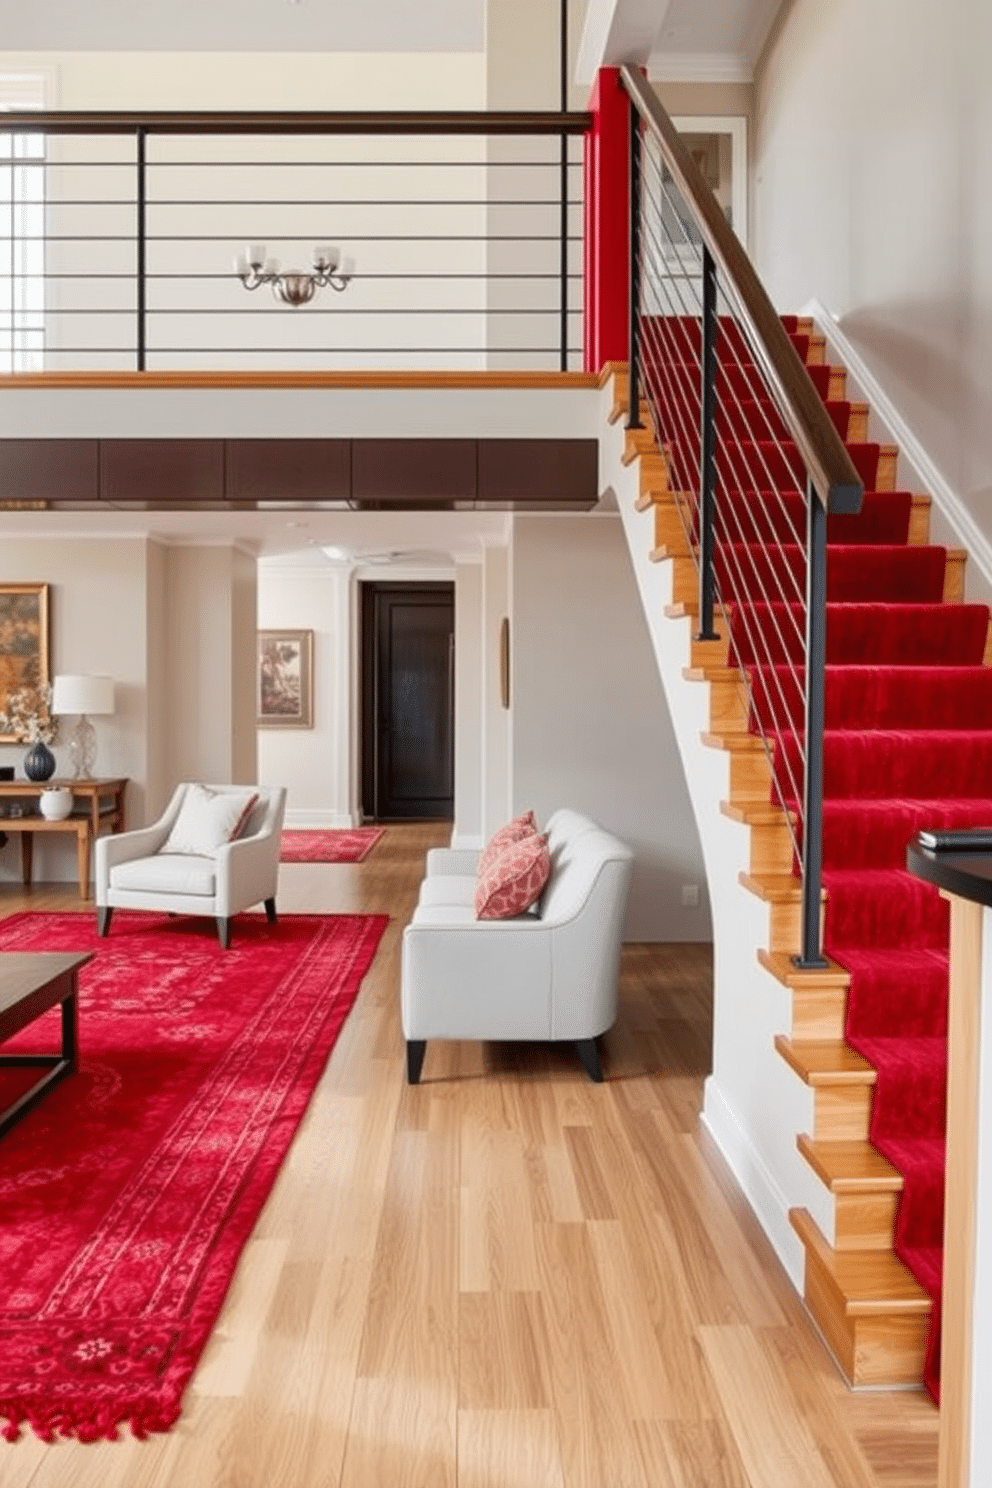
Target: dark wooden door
(408,638)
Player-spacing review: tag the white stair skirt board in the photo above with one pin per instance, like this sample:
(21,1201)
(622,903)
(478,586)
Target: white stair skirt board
(754,1105)
(917,470)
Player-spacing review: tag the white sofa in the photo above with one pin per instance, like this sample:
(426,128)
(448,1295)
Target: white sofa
(131,872)
(545,976)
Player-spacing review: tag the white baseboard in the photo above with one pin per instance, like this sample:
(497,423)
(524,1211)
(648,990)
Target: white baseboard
(760,1188)
(317,820)
(931,479)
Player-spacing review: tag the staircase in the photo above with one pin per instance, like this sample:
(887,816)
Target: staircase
(849,1061)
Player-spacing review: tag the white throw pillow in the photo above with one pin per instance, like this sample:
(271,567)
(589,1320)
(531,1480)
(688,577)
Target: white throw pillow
(208,819)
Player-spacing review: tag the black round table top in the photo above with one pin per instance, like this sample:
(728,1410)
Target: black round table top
(969,875)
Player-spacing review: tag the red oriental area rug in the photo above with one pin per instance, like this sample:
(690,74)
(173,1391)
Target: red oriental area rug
(346,845)
(128,1193)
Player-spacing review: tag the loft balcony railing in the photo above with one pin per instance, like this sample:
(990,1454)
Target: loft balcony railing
(755,462)
(123,230)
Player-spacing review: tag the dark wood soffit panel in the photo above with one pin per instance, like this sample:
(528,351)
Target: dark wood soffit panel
(49,469)
(248,474)
(161,470)
(297,471)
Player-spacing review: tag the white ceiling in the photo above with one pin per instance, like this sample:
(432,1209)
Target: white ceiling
(243,25)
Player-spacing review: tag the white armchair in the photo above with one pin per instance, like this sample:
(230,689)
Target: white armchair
(133,873)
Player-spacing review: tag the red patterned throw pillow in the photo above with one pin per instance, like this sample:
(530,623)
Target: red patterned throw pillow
(520,827)
(514,880)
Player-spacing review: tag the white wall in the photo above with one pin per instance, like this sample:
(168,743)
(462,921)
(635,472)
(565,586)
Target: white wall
(591,727)
(315,764)
(873,152)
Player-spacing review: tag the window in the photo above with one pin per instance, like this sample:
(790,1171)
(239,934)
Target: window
(22,231)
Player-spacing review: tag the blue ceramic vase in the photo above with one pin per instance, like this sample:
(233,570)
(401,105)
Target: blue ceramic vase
(39,762)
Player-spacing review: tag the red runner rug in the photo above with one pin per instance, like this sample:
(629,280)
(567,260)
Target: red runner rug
(346,845)
(128,1193)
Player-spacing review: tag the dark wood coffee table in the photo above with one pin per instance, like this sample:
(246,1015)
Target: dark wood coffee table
(30,984)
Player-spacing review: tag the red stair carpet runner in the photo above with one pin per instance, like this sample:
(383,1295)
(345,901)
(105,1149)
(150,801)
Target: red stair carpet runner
(908,744)
(337,845)
(129,1191)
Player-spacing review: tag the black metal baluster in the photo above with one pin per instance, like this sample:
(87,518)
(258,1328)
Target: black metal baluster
(634,281)
(707,456)
(816,652)
(140,247)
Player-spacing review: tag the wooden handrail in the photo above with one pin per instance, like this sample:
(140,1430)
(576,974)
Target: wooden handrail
(830,467)
(453,122)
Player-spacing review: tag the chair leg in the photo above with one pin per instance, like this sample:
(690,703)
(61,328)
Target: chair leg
(589,1055)
(270,911)
(103,913)
(224,931)
(415,1050)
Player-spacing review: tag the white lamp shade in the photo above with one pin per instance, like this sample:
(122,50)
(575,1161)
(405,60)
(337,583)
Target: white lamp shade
(78,694)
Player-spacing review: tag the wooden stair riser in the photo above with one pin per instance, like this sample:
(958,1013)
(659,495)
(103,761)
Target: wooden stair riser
(750,776)
(730,704)
(885,475)
(875,1351)
(816,356)
(818,1013)
(919,521)
(841,1113)
(857,424)
(653,470)
(771,847)
(714,653)
(672,516)
(864,1221)
(954,576)
(685,581)
(638,442)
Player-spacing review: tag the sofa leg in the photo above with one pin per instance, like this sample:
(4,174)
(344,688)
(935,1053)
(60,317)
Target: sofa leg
(103,913)
(224,931)
(589,1055)
(270,911)
(415,1050)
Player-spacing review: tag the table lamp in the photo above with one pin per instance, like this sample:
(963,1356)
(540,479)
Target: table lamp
(82,695)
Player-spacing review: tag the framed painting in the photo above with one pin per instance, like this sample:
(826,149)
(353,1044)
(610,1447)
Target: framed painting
(285,679)
(24,660)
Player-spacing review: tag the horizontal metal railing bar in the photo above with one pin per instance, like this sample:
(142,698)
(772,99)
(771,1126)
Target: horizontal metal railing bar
(400,122)
(295,238)
(418,163)
(260,308)
(288,201)
(828,462)
(409,351)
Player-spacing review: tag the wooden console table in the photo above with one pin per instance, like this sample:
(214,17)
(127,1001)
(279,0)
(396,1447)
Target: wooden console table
(98,806)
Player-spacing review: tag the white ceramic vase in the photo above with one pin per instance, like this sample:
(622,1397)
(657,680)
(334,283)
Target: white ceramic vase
(56,802)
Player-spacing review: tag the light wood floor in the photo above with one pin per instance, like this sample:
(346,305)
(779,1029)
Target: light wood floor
(507,1277)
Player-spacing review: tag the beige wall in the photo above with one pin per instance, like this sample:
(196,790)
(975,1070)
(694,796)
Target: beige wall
(591,727)
(98,623)
(873,153)
(210,663)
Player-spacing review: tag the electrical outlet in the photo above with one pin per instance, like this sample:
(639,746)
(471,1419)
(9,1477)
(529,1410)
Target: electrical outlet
(690,896)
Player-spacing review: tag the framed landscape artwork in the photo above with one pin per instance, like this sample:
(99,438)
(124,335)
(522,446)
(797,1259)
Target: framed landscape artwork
(285,679)
(23,641)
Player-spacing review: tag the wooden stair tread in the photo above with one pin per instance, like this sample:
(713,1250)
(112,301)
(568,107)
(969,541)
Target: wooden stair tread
(711,672)
(776,888)
(734,743)
(850,1167)
(756,813)
(871,1282)
(785,970)
(825,1062)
